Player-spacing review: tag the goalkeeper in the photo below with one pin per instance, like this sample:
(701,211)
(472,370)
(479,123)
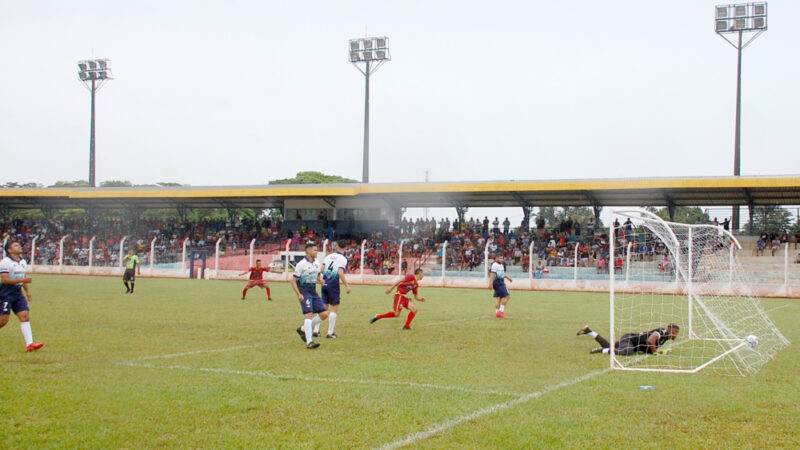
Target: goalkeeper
(632,343)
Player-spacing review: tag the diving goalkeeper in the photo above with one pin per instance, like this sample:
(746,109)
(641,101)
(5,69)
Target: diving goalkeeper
(632,343)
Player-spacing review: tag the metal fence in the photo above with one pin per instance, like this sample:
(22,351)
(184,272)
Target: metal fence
(779,266)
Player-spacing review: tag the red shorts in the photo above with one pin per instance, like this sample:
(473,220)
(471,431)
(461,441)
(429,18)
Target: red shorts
(400,300)
(254,283)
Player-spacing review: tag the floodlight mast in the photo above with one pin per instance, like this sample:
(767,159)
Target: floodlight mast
(738,19)
(93,73)
(373,52)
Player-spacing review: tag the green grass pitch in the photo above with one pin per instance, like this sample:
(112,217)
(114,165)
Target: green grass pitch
(185,363)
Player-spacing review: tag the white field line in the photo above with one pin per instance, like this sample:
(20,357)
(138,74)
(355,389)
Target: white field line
(244,347)
(779,307)
(132,363)
(198,352)
(444,426)
(468,319)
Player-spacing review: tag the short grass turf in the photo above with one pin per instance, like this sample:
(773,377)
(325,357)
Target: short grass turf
(186,363)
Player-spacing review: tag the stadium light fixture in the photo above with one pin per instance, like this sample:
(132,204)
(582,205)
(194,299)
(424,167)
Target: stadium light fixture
(93,73)
(736,20)
(373,52)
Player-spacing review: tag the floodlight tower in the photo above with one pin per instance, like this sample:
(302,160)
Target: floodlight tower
(372,52)
(736,20)
(93,73)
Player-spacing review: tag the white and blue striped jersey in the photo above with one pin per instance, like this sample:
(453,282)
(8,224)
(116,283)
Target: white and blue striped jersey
(499,270)
(331,265)
(15,270)
(306,273)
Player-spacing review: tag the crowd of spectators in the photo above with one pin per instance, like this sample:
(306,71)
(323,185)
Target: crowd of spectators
(774,241)
(422,240)
(565,244)
(108,234)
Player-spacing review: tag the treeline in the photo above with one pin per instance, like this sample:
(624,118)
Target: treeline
(84,183)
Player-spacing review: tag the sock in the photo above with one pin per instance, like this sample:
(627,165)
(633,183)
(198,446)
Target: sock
(26,332)
(132,284)
(315,322)
(307,329)
(269,293)
(126,286)
(606,351)
(592,334)
(244,293)
(386,315)
(502,308)
(411,315)
(331,322)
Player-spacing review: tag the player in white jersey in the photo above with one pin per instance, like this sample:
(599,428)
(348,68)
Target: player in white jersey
(498,279)
(334,268)
(12,274)
(304,282)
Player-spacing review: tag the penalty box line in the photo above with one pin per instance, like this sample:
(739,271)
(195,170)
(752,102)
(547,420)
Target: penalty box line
(444,426)
(141,362)
(277,376)
(199,352)
(250,346)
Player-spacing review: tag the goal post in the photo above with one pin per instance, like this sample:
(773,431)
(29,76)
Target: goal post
(687,275)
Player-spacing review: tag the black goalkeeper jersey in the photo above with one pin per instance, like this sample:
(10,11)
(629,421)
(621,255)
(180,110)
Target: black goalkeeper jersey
(639,341)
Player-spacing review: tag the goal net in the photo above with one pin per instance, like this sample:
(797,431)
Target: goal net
(672,273)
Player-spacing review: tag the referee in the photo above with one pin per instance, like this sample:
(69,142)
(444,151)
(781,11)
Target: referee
(132,267)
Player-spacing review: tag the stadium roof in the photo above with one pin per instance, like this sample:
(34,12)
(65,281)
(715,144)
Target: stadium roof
(707,191)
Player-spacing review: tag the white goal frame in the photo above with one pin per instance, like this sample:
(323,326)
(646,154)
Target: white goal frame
(683,283)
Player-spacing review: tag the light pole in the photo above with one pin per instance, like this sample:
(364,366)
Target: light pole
(372,52)
(735,20)
(93,73)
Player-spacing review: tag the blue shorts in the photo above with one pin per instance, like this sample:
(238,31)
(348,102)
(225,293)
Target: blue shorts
(500,289)
(13,301)
(312,303)
(331,295)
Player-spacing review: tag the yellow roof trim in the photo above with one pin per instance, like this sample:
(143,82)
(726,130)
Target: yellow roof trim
(409,188)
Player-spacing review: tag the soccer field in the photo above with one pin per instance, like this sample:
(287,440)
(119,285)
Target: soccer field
(185,363)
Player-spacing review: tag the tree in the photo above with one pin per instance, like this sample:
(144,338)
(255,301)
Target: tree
(685,214)
(15,185)
(548,213)
(160,184)
(312,177)
(553,215)
(115,183)
(582,214)
(771,218)
(76,183)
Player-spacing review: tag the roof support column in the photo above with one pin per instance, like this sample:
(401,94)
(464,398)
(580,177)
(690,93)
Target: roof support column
(461,211)
(597,209)
(526,218)
(671,211)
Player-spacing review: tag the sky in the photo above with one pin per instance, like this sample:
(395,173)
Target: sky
(211,93)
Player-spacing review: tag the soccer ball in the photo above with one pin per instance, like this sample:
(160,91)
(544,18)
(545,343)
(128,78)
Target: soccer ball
(752,340)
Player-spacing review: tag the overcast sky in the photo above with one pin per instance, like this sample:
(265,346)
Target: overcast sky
(243,92)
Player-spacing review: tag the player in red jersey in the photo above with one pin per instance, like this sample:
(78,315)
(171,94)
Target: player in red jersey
(256,279)
(401,300)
